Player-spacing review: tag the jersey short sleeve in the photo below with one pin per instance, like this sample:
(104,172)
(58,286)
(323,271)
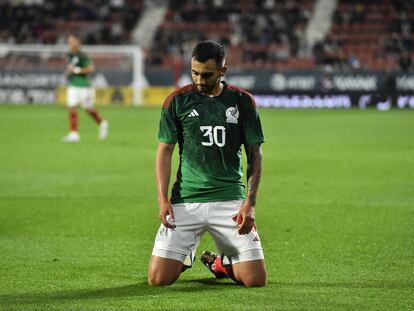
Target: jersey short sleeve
(252,132)
(168,128)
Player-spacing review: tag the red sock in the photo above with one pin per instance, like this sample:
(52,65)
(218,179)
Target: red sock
(73,120)
(218,267)
(95,115)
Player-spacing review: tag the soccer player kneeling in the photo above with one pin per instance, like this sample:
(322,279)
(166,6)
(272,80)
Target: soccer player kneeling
(210,120)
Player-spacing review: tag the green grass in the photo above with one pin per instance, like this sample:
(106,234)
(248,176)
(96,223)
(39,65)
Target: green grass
(335,214)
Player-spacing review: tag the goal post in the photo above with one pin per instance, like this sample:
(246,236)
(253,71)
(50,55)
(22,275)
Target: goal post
(34,73)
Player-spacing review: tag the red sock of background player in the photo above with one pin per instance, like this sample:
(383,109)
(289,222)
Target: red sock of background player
(73,120)
(95,115)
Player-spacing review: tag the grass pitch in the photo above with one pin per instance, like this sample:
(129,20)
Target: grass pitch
(335,213)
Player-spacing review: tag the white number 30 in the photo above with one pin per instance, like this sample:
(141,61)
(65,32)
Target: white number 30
(213,134)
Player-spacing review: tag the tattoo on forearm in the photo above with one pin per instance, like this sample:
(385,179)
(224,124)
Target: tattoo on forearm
(254,171)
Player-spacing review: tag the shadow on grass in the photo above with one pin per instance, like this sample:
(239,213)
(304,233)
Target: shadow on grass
(214,282)
(349,285)
(141,289)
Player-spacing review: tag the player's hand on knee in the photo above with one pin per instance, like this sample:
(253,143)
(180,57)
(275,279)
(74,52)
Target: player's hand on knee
(166,210)
(246,219)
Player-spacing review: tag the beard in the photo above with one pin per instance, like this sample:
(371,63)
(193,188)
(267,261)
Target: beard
(205,88)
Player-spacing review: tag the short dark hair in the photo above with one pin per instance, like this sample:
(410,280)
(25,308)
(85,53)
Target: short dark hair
(206,50)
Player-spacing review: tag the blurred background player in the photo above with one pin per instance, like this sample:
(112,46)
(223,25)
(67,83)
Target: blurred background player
(80,90)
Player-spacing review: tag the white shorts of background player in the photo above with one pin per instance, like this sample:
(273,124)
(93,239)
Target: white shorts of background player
(84,96)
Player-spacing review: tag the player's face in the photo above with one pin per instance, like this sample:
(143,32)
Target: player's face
(74,44)
(206,76)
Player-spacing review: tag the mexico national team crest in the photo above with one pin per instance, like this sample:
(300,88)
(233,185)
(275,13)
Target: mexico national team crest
(232,114)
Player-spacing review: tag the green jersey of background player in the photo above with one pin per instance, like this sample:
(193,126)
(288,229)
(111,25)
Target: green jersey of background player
(78,60)
(210,121)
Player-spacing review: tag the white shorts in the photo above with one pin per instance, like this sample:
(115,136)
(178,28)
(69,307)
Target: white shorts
(84,96)
(217,218)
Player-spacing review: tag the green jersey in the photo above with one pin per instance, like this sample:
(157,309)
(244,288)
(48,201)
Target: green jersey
(79,60)
(210,132)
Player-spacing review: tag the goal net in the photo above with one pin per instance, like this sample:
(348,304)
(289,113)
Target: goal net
(34,74)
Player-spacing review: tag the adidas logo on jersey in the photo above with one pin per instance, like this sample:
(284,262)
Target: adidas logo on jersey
(193,113)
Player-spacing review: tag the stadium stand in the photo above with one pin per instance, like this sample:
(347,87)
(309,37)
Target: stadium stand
(259,34)
(375,35)
(48,22)
(266,34)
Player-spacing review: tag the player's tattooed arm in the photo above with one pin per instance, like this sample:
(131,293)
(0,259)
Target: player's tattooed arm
(254,171)
(246,216)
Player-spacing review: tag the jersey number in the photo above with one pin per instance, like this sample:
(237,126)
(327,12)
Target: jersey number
(216,135)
